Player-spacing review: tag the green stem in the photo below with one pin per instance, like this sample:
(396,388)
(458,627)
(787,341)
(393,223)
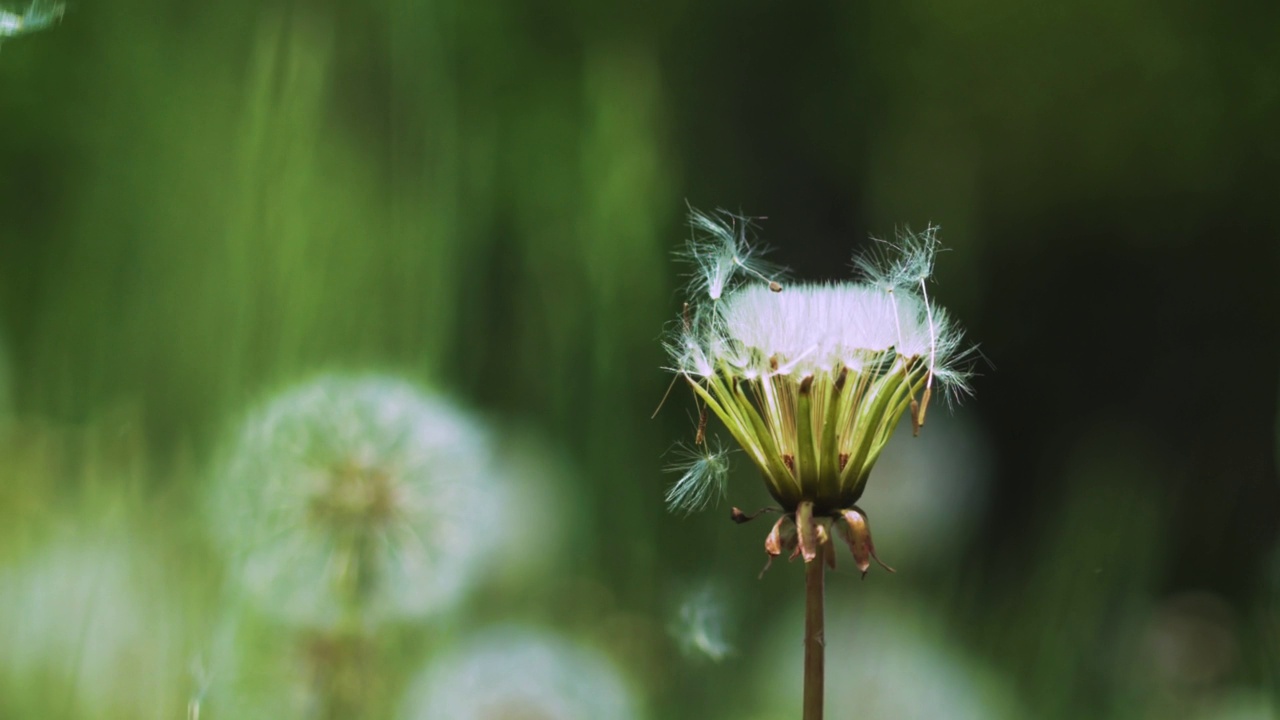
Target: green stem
(813,638)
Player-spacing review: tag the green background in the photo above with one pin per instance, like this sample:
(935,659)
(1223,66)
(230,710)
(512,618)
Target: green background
(203,203)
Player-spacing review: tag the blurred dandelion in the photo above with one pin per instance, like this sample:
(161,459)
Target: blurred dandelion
(811,381)
(514,673)
(353,500)
(88,624)
(261,671)
(915,673)
(701,623)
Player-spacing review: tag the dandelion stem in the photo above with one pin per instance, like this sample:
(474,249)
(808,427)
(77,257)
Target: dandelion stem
(814,644)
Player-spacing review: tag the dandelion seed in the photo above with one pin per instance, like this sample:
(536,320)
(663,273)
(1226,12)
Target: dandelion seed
(513,672)
(701,624)
(701,437)
(719,250)
(703,471)
(904,263)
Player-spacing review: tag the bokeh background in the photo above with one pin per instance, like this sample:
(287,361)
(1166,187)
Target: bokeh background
(203,204)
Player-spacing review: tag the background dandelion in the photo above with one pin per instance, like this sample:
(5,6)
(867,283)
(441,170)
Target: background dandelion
(89,621)
(516,672)
(914,672)
(358,494)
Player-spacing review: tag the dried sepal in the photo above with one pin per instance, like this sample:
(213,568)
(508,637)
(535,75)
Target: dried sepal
(856,531)
(739,516)
(781,538)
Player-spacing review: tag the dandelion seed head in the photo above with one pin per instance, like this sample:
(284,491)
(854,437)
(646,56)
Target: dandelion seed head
(704,470)
(361,486)
(513,672)
(813,327)
(811,378)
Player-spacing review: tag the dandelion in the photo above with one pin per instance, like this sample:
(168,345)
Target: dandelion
(261,670)
(512,672)
(93,615)
(353,500)
(811,381)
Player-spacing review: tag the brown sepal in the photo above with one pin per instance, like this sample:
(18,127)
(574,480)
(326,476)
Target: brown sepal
(780,539)
(856,531)
(741,517)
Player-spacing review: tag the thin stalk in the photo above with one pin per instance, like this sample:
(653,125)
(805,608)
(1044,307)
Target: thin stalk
(813,637)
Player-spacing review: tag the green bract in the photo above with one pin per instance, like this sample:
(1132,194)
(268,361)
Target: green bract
(815,436)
